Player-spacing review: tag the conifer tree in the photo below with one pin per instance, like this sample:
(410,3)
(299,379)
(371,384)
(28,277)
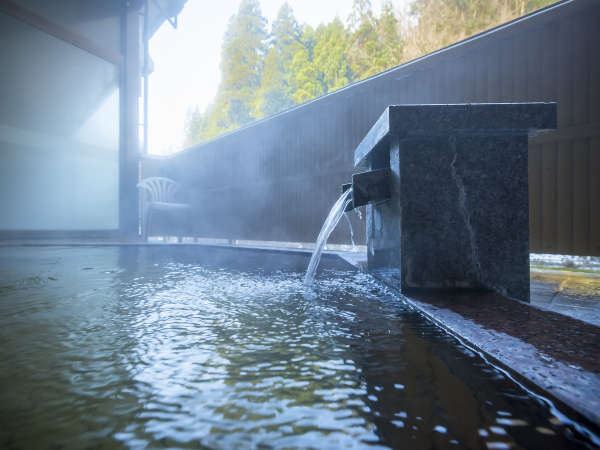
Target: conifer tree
(390,39)
(363,45)
(439,23)
(192,128)
(276,87)
(375,43)
(304,76)
(330,56)
(262,75)
(242,57)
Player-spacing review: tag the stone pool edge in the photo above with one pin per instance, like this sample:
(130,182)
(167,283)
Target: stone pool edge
(576,391)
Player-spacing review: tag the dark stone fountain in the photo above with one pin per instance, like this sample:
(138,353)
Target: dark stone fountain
(447,195)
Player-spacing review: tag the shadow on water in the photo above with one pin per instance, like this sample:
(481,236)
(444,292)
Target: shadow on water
(183,347)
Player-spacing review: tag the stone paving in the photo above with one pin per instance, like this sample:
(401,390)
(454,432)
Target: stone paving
(575,294)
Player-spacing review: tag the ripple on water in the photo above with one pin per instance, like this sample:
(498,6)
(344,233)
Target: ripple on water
(177,353)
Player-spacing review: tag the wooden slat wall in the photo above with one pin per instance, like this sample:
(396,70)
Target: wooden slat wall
(276,180)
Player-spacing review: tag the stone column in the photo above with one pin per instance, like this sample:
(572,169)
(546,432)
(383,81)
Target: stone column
(459,212)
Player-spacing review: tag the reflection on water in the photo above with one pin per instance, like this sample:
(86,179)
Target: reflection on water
(163,348)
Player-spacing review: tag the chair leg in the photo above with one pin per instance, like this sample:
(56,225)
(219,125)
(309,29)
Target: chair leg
(146,223)
(183,219)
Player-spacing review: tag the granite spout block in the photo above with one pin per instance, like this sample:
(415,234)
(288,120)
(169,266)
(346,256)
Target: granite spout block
(369,187)
(458,209)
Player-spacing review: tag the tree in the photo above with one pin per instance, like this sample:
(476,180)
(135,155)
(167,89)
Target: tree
(363,40)
(242,62)
(192,128)
(390,39)
(375,43)
(320,65)
(330,56)
(276,88)
(304,77)
(439,23)
(264,74)
(242,57)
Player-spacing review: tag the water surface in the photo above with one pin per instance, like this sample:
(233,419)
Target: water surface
(184,347)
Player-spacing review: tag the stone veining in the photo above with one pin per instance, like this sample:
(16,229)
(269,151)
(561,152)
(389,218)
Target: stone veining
(464,210)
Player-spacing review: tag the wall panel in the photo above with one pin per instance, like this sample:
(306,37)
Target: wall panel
(276,179)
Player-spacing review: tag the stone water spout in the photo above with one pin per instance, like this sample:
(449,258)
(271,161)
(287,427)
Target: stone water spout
(373,187)
(446,189)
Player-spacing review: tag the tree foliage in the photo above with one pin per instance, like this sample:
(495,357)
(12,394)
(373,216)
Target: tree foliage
(276,89)
(263,73)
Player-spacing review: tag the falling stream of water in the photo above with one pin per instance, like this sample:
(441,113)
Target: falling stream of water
(351,231)
(336,213)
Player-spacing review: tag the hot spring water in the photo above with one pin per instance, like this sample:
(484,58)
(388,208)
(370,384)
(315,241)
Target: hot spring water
(349,222)
(166,346)
(336,213)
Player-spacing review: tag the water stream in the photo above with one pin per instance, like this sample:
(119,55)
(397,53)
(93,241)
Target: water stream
(351,232)
(336,213)
(358,213)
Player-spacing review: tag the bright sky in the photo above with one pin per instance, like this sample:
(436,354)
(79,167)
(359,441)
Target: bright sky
(186,59)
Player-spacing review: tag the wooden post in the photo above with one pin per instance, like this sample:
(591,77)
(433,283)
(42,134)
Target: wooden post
(129,151)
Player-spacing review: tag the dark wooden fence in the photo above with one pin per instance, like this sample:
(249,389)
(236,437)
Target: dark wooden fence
(275,180)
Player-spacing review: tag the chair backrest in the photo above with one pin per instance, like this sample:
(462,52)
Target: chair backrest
(159,189)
